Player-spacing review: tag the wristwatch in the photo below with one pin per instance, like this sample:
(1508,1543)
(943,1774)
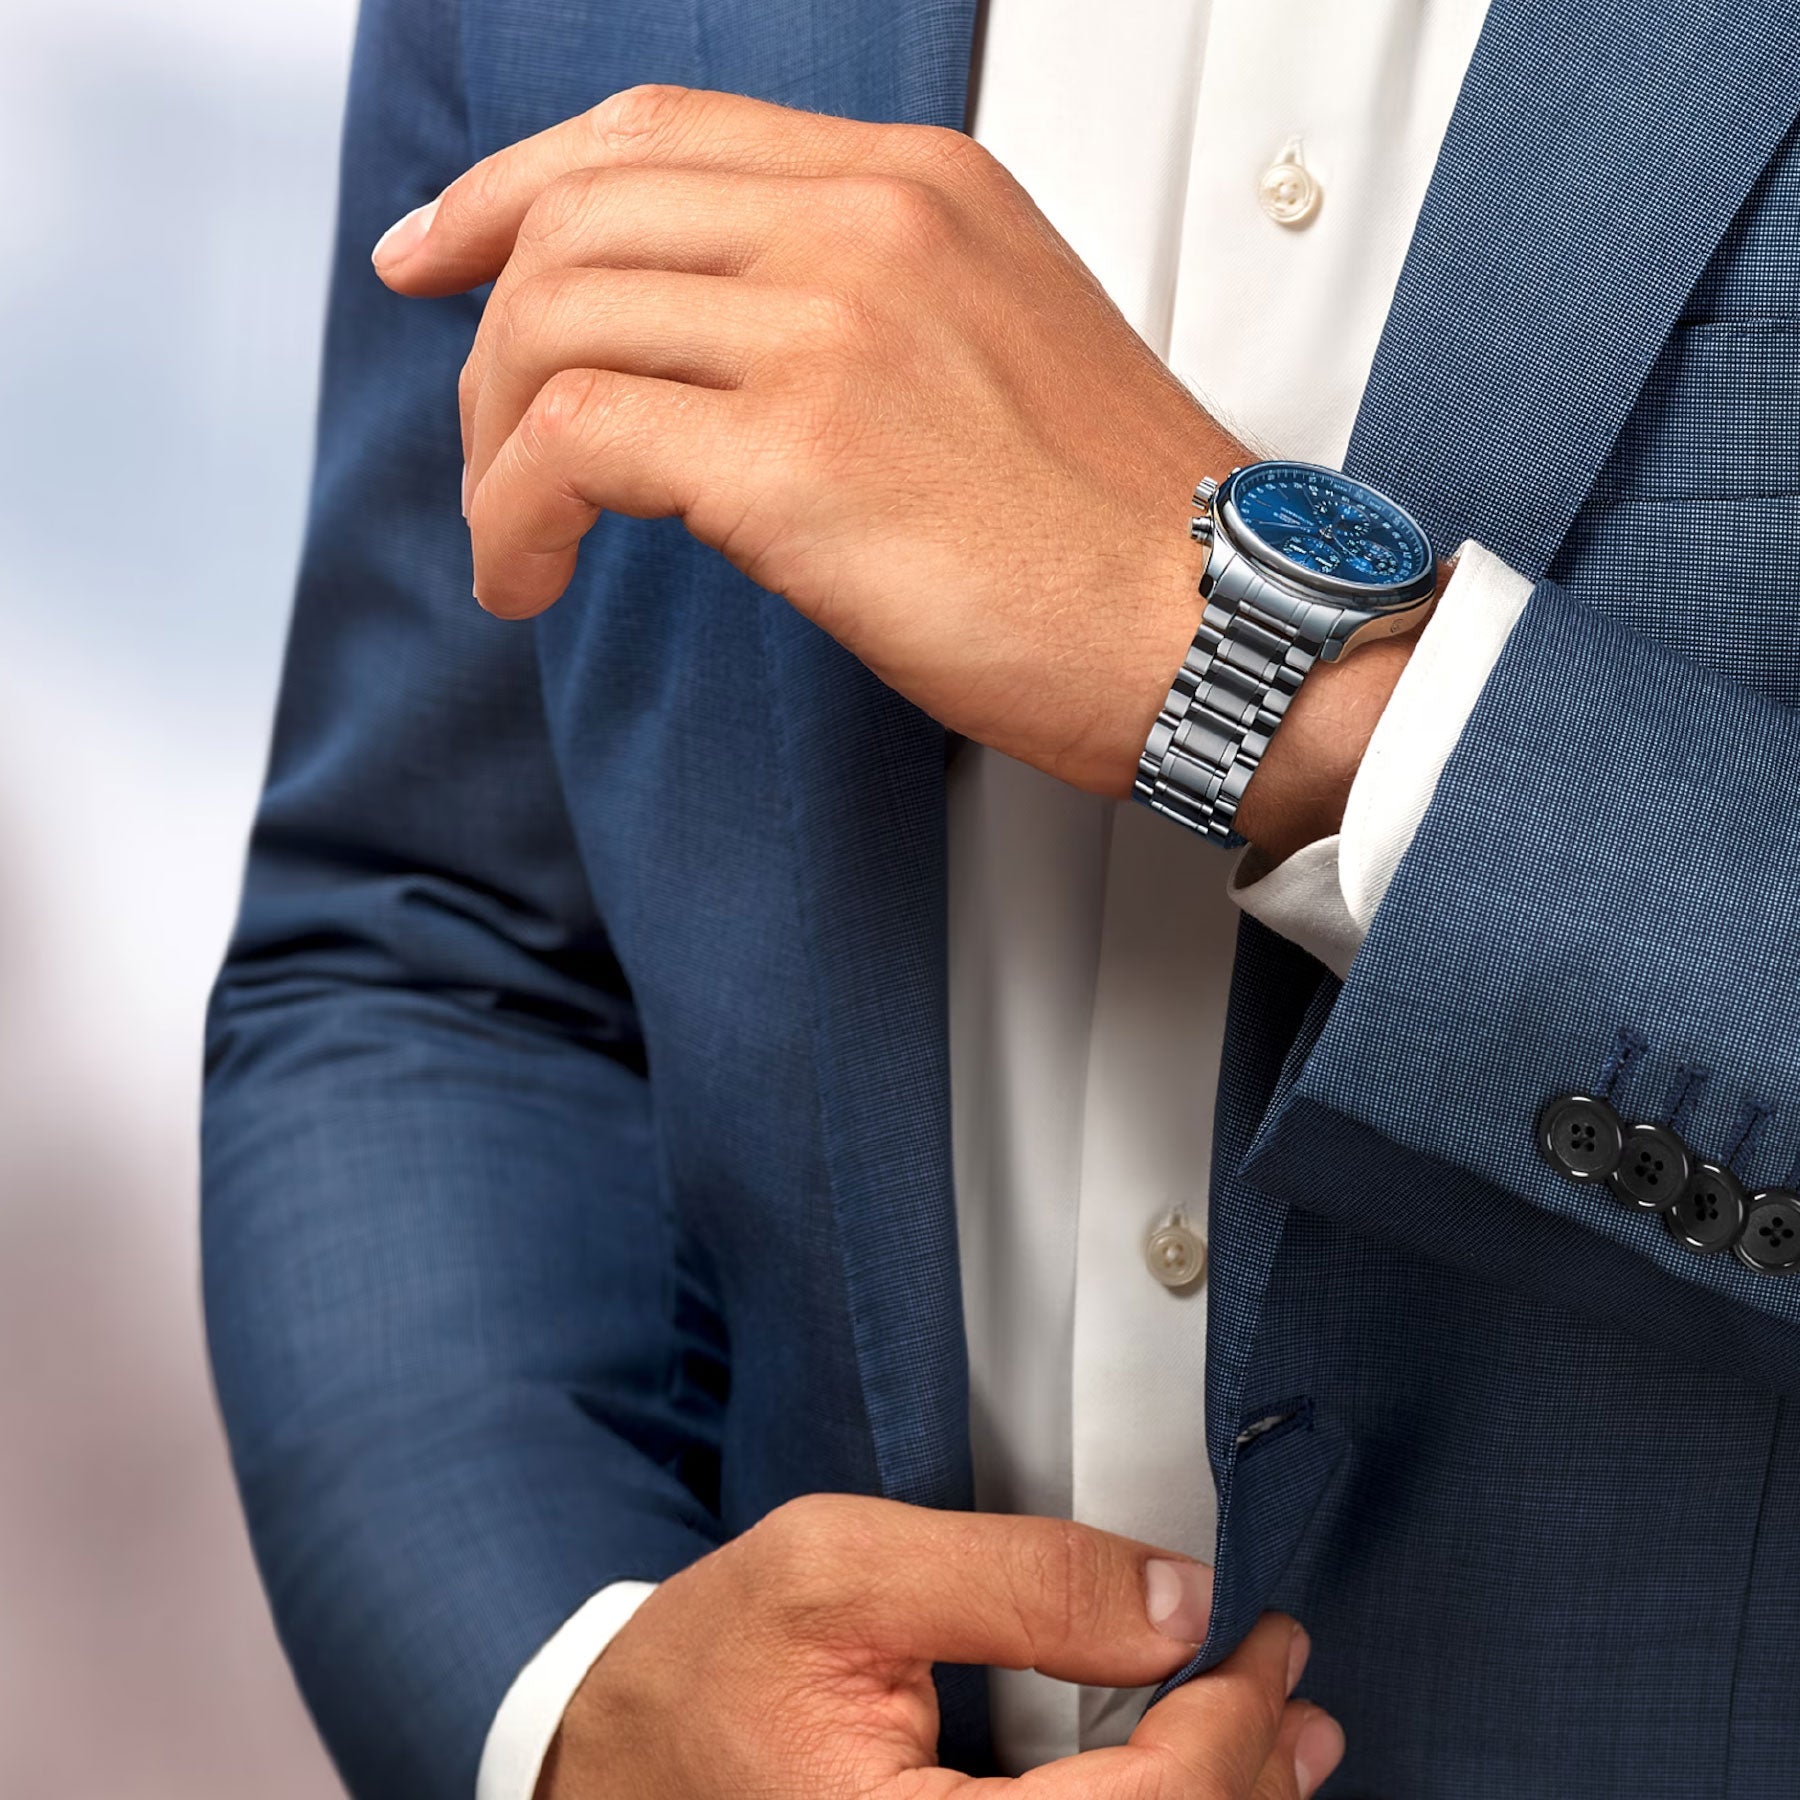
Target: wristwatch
(1303,566)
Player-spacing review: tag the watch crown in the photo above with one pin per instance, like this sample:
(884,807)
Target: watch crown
(1203,494)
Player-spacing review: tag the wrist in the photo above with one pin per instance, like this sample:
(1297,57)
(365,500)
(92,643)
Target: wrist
(1148,637)
(1300,789)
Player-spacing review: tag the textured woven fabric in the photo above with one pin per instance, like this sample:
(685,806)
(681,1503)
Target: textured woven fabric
(578,1178)
(1586,367)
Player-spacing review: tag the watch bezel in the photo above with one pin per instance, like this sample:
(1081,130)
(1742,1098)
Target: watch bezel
(1384,599)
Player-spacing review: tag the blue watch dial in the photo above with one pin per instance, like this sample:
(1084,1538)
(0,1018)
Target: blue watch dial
(1326,524)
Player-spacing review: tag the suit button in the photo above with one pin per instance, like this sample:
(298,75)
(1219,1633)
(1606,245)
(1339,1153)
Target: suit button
(1709,1216)
(1581,1136)
(1653,1168)
(1771,1241)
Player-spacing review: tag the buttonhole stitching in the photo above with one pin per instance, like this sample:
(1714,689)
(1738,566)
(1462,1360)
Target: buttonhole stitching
(1628,1047)
(1685,1088)
(1755,1117)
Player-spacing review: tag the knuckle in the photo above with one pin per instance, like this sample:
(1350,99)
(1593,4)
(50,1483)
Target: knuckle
(469,384)
(1085,1570)
(532,309)
(565,403)
(1174,1772)
(902,211)
(804,1553)
(559,211)
(481,191)
(1064,1592)
(940,149)
(635,119)
(1157,1773)
(837,320)
(792,1537)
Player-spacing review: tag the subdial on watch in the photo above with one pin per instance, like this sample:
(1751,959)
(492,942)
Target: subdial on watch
(1315,549)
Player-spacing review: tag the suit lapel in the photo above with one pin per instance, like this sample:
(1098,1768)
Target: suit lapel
(1595,156)
(862,770)
(864,775)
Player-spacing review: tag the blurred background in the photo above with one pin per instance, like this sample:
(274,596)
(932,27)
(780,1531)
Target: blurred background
(167,170)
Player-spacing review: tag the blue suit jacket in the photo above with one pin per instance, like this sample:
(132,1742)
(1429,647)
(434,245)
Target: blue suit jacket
(578,1178)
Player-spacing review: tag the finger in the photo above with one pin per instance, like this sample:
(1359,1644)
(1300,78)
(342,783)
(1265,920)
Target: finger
(1308,1747)
(701,329)
(591,440)
(465,236)
(703,221)
(677,220)
(909,1583)
(1221,1727)
(682,221)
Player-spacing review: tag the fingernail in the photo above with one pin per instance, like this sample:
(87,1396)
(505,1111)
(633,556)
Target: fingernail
(1178,1597)
(1317,1751)
(465,491)
(404,236)
(1299,1649)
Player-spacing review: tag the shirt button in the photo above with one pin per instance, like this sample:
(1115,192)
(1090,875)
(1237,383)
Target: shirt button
(1289,192)
(1176,1253)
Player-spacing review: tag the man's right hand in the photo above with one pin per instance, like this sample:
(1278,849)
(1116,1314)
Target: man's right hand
(795,1664)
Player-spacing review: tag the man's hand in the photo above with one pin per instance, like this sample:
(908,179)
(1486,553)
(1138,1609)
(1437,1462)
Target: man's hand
(795,1664)
(858,361)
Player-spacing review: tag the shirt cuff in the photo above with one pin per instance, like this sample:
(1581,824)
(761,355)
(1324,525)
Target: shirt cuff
(1324,897)
(520,1736)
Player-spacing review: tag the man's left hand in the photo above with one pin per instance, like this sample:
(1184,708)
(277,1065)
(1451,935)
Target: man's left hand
(859,362)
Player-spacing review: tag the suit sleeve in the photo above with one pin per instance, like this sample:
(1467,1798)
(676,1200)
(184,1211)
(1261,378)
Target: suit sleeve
(1603,896)
(453,1339)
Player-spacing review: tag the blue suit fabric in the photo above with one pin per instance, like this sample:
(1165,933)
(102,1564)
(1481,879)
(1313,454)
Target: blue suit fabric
(577,1132)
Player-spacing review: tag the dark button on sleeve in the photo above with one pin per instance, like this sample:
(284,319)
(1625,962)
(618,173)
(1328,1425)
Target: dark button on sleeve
(1581,1136)
(1653,1168)
(1771,1241)
(1709,1216)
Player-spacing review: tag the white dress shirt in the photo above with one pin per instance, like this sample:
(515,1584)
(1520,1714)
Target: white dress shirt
(1243,177)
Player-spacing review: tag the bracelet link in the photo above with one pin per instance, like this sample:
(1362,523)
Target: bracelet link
(1229,695)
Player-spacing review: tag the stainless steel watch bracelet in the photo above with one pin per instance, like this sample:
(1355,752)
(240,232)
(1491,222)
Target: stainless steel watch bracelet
(1231,692)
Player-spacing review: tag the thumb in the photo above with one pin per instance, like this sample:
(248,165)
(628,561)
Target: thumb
(1078,1604)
